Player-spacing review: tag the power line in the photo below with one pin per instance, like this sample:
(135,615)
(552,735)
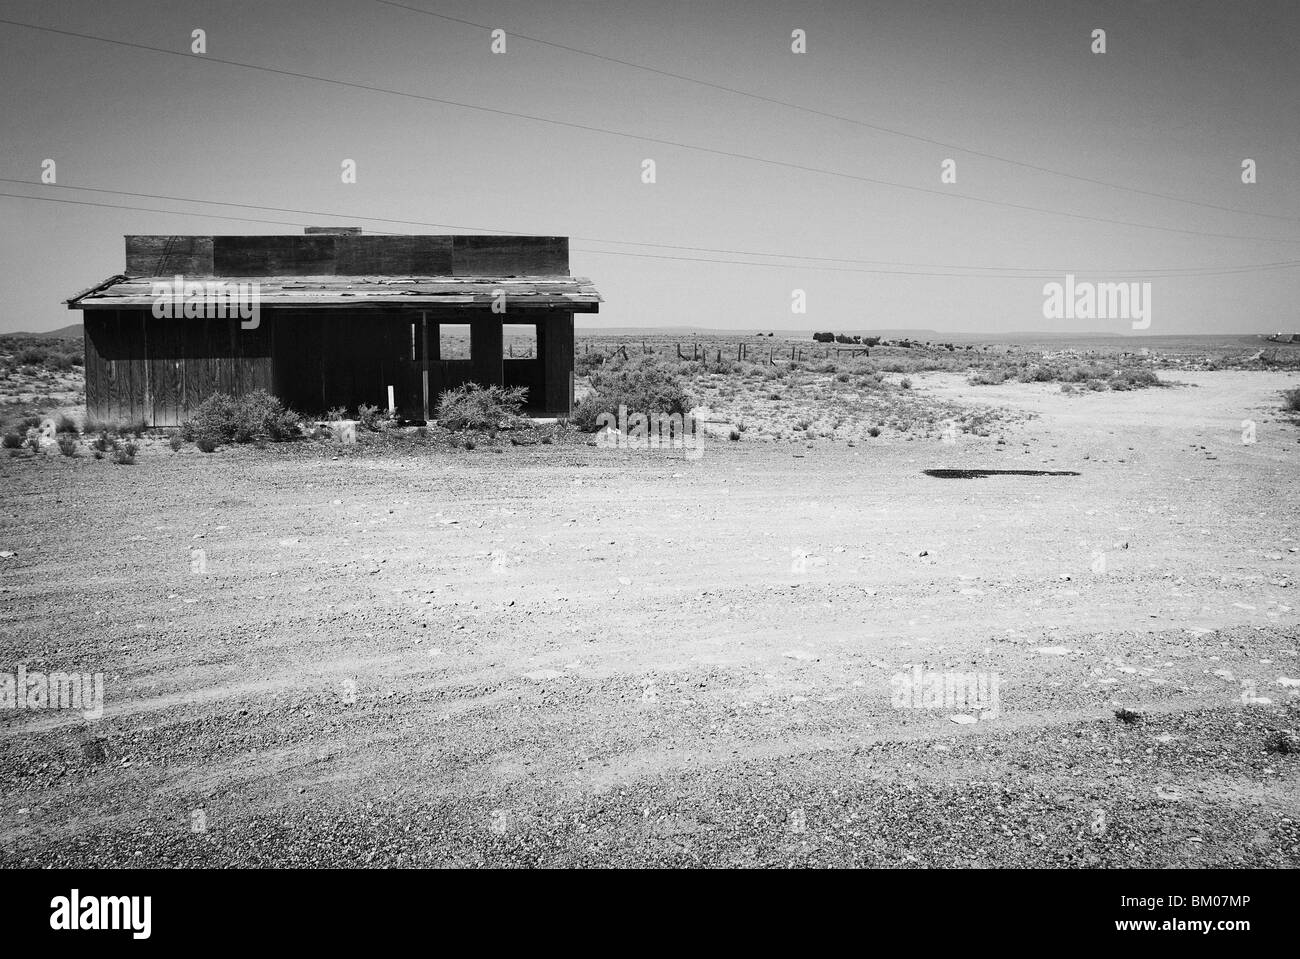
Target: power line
(837,116)
(145,209)
(1169,273)
(1253,268)
(477,229)
(639,137)
(587,239)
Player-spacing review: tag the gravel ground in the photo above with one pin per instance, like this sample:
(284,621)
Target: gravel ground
(565,655)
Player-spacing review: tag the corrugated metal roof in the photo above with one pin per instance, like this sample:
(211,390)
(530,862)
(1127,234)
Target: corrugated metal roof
(529,292)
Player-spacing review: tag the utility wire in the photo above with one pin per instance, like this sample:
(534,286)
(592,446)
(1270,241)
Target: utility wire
(585,239)
(514,34)
(647,139)
(1011,274)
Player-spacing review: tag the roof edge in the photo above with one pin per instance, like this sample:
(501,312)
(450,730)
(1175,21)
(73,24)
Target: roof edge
(77,297)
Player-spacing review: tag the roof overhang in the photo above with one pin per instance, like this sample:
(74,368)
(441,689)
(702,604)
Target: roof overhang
(569,294)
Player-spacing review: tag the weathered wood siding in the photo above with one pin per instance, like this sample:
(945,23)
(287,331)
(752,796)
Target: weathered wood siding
(394,256)
(510,255)
(158,370)
(169,255)
(329,254)
(139,367)
(273,255)
(329,358)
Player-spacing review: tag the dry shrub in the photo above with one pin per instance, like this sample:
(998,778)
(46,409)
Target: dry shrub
(227,419)
(473,407)
(646,389)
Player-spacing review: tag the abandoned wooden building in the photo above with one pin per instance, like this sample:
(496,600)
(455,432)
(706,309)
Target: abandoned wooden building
(331,318)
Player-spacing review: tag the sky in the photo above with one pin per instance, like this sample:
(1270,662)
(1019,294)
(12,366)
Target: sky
(752,200)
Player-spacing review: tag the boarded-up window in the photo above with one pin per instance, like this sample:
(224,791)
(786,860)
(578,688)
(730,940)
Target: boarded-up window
(453,341)
(519,341)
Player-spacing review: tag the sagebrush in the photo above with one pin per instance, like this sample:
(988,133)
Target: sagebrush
(474,407)
(643,389)
(229,419)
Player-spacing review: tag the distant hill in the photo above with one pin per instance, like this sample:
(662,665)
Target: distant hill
(73,332)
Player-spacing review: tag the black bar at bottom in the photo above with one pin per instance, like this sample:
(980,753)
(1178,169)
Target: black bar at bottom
(956,909)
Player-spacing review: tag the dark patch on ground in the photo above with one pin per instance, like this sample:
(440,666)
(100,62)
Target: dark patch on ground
(980,474)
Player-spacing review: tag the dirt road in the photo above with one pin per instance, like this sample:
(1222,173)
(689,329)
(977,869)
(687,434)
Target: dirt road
(567,655)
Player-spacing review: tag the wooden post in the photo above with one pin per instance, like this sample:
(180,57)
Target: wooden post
(424,360)
(146,362)
(555,342)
